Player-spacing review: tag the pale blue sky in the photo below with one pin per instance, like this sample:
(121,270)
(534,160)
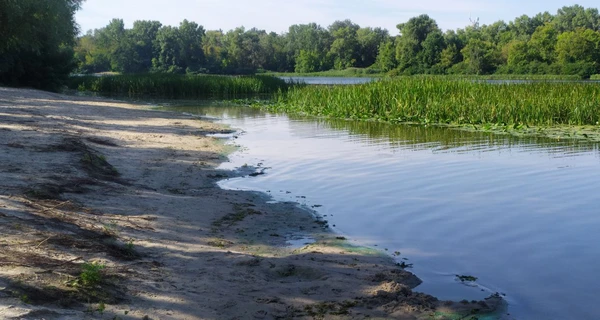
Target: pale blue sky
(278,15)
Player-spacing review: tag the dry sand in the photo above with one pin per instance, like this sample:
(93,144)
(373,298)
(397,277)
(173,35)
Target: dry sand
(86,180)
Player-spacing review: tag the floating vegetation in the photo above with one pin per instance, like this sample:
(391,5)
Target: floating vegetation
(465,278)
(168,86)
(443,100)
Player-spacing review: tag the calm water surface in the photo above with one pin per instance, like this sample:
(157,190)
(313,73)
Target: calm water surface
(522,215)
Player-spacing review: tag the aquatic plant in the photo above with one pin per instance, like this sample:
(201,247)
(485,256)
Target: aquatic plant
(560,77)
(169,86)
(430,99)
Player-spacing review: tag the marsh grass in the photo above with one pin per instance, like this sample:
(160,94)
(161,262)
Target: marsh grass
(547,77)
(168,86)
(441,100)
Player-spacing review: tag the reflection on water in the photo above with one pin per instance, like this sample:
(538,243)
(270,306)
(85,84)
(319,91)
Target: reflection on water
(438,139)
(518,213)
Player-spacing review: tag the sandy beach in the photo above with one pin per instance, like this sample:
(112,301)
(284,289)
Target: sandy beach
(110,210)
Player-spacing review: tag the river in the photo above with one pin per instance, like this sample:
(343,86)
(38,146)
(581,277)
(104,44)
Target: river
(520,214)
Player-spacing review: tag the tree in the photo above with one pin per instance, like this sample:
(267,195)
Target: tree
(345,46)
(189,40)
(413,35)
(308,61)
(451,55)
(432,47)
(36,42)
(386,58)
(311,38)
(574,17)
(518,54)
(273,47)
(480,56)
(89,57)
(524,26)
(143,35)
(543,42)
(214,50)
(581,45)
(168,51)
(369,41)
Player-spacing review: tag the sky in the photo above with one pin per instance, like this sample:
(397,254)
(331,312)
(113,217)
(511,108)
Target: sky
(278,15)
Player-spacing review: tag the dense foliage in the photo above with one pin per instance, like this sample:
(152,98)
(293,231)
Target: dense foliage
(438,99)
(567,42)
(173,86)
(36,42)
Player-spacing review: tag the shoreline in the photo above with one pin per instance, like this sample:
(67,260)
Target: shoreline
(92,180)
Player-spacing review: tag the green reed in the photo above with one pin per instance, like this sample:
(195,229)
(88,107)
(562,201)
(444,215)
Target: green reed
(449,101)
(168,86)
(561,77)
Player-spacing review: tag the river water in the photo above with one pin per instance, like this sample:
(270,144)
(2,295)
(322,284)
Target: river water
(520,214)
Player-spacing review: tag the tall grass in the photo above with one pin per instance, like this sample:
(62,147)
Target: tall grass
(442,100)
(178,86)
(559,77)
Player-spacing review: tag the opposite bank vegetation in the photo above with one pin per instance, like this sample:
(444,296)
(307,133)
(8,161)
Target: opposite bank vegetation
(553,108)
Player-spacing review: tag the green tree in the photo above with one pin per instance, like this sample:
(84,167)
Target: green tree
(574,17)
(168,51)
(543,43)
(143,35)
(189,40)
(36,42)
(410,50)
(311,38)
(518,54)
(480,57)
(578,45)
(369,41)
(89,57)
(386,58)
(345,45)
(308,61)
(432,47)
(273,47)
(214,51)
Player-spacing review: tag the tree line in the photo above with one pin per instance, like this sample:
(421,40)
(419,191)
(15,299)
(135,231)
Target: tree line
(567,42)
(40,46)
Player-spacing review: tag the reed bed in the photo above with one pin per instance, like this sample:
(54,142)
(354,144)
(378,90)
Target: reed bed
(447,101)
(166,86)
(541,77)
